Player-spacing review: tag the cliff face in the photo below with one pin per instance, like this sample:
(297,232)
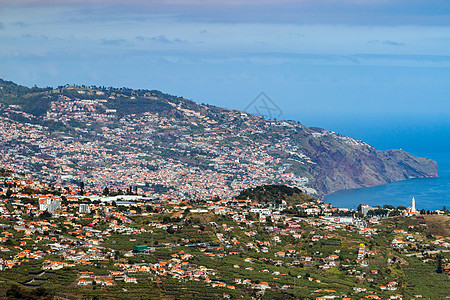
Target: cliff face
(344,163)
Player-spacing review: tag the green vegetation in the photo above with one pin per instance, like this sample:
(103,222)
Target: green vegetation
(274,194)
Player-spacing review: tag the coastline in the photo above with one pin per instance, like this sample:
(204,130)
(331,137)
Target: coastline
(430,193)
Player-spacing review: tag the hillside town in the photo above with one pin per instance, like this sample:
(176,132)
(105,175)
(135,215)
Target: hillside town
(167,146)
(232,247)
(182,157)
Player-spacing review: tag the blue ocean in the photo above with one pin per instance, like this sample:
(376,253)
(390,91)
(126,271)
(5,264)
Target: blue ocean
(424,137)
(430,193)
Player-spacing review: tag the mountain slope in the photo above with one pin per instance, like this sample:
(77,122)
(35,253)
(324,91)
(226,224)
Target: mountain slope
(345,164)
(175,147)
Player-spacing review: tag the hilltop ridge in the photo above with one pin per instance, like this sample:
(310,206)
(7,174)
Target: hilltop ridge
(172,146)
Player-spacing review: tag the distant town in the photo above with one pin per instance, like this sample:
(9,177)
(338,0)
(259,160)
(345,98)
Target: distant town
(120,155)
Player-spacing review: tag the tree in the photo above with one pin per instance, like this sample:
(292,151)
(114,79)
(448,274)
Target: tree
(138,209)
(359,208)
(439,268)
(82,188)
(105,191)
(27,190)
(394,213)
(8,193)
(42,293)
(46,215)
(14,291)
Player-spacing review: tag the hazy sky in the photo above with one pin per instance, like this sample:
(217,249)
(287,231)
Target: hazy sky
(328,63)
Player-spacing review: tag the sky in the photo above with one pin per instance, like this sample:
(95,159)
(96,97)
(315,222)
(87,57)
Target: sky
(377,70)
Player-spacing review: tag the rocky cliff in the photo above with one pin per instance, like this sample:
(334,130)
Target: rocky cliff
(344,163)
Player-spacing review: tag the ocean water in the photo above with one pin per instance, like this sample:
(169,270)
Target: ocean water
(429,193)
(422,136)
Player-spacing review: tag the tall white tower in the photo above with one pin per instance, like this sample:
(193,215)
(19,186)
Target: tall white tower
(413,205)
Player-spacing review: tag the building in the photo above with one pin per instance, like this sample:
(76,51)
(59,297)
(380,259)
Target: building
(84,209)
(54,205)
(44,202)
(411,210)
(366,208)
(341,220)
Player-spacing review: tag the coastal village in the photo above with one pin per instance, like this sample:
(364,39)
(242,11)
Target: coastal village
(94,245)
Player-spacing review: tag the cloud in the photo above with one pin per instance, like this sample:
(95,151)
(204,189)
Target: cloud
(113,42)
(392,43)
(160,39)
(347,12)
(38,37)
(386,42)
(21,24)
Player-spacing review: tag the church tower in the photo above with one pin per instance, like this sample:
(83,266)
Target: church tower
(413,205)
